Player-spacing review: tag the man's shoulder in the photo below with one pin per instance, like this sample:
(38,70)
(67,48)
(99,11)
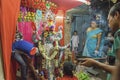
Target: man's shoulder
(88,29)
(117,34)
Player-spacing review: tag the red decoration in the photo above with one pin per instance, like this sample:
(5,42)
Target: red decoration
(47,28)
(38,4)
(33,26)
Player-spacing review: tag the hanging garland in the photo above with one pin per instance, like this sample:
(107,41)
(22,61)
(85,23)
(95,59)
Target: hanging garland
(56,48)
(38,4)
(43,51)
(28,10)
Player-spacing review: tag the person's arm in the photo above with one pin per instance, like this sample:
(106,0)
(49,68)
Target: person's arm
(116,76)
(72,38)
(106,67)
(91,62)
(64,47)
(99,40)
(24,54)
(84,39)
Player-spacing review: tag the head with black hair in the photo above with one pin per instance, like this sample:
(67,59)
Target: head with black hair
(114,17)
(114,24)
(18,35)
(75,32)
(68,68)
(93,24)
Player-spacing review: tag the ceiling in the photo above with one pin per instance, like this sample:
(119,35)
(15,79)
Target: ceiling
(77,7)
(82,9)
(98,4)
(66,4)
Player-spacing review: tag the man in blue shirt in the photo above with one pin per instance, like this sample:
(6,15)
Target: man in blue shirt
(22,52)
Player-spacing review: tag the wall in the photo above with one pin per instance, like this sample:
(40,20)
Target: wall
(1,65)
(60,22)
(80,23)
(67,30)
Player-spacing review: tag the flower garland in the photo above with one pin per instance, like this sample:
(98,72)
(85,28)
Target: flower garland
(29,7)
(38,4)
(43,51)
(56,48)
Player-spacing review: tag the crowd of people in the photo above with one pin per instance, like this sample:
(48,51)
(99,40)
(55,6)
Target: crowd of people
(94,48)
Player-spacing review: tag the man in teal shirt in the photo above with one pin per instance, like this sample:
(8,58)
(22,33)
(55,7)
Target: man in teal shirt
(114,24)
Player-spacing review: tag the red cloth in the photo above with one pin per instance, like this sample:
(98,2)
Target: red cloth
(9,11)
(33,26)
(60,22)
(68,78)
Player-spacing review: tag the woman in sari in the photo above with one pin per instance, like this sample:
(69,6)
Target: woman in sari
(93,43)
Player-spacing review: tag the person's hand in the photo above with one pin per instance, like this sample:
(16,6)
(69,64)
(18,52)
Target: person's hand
(89,62)
(96,52)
